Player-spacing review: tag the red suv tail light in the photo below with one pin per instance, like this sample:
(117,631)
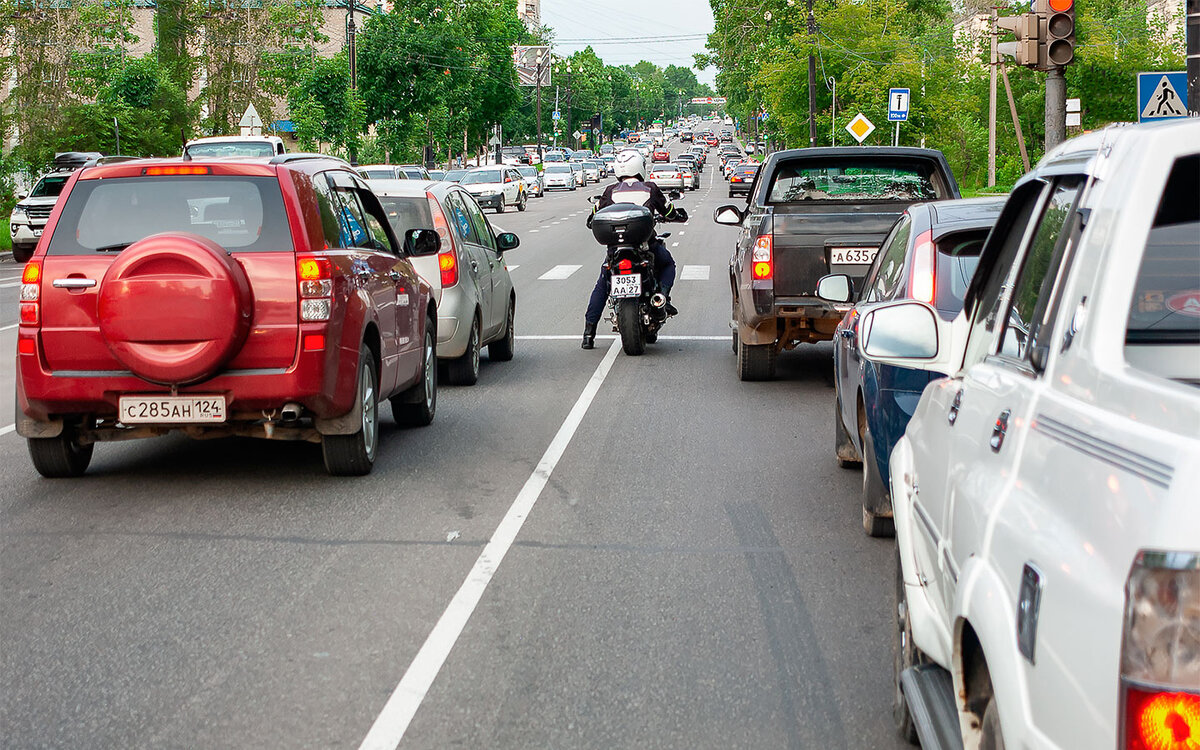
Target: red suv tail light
(448,257)
(762,264)
(315,277)
(922,284)
(31,292)
(1160,653)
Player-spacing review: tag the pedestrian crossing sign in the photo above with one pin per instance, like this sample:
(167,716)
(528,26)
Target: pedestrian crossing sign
(1162,96)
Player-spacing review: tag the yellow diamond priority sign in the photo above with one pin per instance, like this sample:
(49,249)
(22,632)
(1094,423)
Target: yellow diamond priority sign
(860,127)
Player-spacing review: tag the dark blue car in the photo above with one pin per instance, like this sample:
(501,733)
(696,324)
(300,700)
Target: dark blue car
(929,255)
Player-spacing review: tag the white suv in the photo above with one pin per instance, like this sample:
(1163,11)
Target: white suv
(496,187)
(1047,496)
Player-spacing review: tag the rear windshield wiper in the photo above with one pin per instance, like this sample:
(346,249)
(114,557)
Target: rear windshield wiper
(113,248)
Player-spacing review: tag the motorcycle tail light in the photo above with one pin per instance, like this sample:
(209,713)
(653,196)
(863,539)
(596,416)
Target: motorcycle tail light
(625,266)
(1160,653)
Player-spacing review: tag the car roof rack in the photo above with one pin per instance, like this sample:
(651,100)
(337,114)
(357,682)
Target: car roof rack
(300,156)
(99,160)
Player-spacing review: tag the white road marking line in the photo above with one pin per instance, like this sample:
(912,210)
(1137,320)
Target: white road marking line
(534,231)
(392,722)
(9,328)
(7,286)
(674,244)
(681,232)
(11,278)
(558,273)
(515,267)
(6,430)
(694,273)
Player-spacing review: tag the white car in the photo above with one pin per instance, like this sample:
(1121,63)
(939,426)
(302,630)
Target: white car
(533,181)
(592,171)
(1047,496)
(666,176)
(496,187)
(558,175)
(235,145)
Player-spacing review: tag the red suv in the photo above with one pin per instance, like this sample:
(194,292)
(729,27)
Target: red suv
(661,154)
(261,297)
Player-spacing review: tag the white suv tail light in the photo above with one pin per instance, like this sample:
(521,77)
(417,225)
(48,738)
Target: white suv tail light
(1160,653)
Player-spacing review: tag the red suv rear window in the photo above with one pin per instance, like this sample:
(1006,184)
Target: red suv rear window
(239,213)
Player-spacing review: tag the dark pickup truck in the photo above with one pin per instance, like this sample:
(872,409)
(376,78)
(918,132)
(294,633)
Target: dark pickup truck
(813,212)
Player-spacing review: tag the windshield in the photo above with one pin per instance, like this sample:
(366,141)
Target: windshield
(475,178)
(238,213)
(231,148)
(50,186)
(454,175)
(378,174)
(406,213)
(558,169)
(527,171)
(853,179)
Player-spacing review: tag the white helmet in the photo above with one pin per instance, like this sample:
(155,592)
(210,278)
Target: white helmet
(629,163)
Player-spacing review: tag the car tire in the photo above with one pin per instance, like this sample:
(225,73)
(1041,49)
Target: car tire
(23,254)
(417,406)
(990,736)
(61,457)
(501,350)
(500,205)
(843,446)
(464,370)
(521,204)
(874,524)
(755,361)
(905,655)
(354,455)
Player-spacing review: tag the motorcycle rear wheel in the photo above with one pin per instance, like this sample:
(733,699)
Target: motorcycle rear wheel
(629,321)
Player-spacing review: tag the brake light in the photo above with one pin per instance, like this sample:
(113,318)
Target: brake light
(31,292)
(315,277)
(921,286)
(763,266)
(1160,658)
(625,266)
(448,257)
(175,170)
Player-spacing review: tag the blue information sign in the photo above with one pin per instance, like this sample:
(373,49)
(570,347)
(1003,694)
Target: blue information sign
(1162,96)
(898,105)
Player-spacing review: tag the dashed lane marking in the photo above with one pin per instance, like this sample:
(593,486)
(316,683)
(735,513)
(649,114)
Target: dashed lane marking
(513,268)
(559,272)
(391,724)
(6,430)
(674,244)
(694,273)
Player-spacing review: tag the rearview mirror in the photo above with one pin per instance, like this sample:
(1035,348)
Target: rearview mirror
(834,288)
(730,215)
(907,329)
(422,242)
(506,241)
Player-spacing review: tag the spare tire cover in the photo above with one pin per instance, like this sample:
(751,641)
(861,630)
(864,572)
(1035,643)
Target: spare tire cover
(174,308)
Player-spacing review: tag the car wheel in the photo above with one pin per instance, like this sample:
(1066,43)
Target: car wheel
(23,254)
(521,204)
(755,361)
(905,655)
(847,455)
(416,406)
(354,455)
(464,370)
(500,205)
(501,350)
(61,457)
(990,736)
(874,493)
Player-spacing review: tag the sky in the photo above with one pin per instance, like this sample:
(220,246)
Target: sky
(679,28)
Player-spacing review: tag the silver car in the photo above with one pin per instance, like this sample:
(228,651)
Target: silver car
(666,176)
(533,181)
(558,175)
(580,175)
(593,170)
(471,286)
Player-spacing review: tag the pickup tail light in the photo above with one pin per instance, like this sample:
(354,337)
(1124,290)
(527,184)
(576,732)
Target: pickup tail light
(315,278)
(762,264)
(1160,653)
(448,257)
(922,285)
(31,293)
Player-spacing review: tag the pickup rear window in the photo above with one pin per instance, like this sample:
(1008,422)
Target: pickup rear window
(855,179)
(238,213)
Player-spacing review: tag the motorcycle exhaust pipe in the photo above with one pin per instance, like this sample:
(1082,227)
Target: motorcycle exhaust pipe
(658,300)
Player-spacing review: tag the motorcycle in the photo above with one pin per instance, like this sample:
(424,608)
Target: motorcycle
(637,307)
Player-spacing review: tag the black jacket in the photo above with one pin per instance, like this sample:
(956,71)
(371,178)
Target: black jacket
(636,191)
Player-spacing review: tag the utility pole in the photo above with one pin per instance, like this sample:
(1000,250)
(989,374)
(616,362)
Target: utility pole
(991,179)
(1193,57)
(1056,107)
(540,65)
(350,34)
(812,79)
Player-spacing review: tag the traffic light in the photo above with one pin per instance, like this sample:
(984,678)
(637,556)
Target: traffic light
(1059,39)
(1025,28)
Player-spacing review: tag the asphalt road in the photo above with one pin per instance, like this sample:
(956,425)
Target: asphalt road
(683,568)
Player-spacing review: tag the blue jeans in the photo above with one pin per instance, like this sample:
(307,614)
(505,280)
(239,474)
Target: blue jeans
(664,270)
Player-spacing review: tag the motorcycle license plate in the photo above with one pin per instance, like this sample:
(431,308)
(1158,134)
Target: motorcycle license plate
(626,285)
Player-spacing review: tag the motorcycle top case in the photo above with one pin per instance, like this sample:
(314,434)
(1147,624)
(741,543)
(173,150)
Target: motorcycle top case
(623,224)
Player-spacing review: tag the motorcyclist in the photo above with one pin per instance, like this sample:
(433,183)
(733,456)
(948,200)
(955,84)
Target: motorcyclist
(632,187)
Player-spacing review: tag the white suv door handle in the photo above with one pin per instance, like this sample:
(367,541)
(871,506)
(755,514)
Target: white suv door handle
(74,283)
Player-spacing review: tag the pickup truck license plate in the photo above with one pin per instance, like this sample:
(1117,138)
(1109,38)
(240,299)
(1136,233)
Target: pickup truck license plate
(626,285)
(171,409)
(851,256)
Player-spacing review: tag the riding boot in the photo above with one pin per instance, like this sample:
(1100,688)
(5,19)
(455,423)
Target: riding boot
(669,308)
(589,336)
